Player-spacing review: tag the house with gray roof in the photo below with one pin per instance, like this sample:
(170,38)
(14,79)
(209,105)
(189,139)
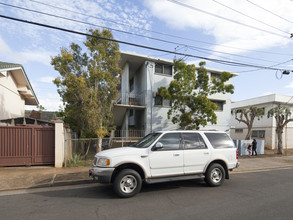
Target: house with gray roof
(15,91)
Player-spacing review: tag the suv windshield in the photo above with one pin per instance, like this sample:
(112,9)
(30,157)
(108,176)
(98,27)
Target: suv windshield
(147,140)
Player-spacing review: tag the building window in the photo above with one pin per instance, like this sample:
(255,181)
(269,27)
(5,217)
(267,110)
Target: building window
(215,75)
(131,112)
(131,84)
(160,101)
(163,69)
(238,130)
(220,104)
(258,133)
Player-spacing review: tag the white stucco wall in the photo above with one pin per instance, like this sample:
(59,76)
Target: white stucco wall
(147,82)
(265,123)
(156,116)
(11,103)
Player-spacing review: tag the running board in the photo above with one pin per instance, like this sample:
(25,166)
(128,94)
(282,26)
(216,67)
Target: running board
(173,178)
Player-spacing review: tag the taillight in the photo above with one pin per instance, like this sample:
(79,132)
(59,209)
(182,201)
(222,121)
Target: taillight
(236,154)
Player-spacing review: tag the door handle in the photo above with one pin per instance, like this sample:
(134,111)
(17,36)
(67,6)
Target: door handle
(176,155)
(206,153)
(144,156)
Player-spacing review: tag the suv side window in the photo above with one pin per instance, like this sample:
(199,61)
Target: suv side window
(170,141)
(193,141)
(220,140)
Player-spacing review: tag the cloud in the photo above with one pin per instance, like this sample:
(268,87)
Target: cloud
(96,13)
(289,85)
(266,93)
(47,79)
(225,33)
(50,102)
(25,56)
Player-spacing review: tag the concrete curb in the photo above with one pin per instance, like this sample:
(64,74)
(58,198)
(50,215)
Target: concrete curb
(20,178)
(261,169)
(62,183)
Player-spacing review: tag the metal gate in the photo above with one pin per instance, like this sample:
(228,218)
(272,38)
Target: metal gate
(27,145)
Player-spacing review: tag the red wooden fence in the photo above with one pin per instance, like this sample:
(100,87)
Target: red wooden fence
(27,145)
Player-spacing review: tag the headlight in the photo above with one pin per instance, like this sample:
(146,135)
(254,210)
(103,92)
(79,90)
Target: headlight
(102,161)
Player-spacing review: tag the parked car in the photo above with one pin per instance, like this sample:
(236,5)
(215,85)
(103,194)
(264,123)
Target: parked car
(167,156)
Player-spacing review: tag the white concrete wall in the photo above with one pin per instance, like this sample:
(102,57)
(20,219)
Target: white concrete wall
(160,118)
(156,117)
(125,83)
(147,81)
(59,144)
(265,123)
(11,103)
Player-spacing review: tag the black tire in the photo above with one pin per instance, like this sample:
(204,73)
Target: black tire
(215,175)
(127,183)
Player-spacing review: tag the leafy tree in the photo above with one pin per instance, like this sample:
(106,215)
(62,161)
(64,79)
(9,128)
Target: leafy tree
(282,115)
(88,84)
(189,93)
(247,116)
(41,108)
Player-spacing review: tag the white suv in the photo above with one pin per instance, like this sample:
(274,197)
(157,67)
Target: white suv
(167,156)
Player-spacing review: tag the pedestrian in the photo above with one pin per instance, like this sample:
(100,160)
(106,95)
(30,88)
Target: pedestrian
(254,143)
(249,149)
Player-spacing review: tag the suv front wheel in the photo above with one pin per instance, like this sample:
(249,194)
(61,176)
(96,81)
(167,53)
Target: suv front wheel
(127,183)
(215,175)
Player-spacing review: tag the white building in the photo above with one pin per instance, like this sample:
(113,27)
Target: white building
(15,91)
(265,128)
(139,110)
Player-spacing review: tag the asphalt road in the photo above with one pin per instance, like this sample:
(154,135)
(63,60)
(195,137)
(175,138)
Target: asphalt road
(260,195)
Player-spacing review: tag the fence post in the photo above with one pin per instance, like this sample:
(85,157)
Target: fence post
(59,143)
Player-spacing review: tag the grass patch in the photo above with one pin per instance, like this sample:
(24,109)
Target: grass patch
(75,161)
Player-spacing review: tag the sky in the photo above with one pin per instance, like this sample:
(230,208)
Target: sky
(249,37)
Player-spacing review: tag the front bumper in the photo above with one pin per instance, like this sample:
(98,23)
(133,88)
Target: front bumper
(101,174)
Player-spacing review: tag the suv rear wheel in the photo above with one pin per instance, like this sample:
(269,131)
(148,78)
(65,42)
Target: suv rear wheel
(127,183)
(215,175)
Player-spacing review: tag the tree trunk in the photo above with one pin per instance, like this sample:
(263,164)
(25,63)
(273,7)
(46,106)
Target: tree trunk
(87,150)
(99,148)
(280,142)
(249,132)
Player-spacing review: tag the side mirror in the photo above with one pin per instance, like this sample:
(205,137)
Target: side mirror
(158,146)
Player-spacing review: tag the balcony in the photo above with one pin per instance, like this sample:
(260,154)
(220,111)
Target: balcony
(131,99)
(120,138)
(129,133)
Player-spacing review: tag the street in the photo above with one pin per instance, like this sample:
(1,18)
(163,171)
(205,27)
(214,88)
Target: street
(259,195)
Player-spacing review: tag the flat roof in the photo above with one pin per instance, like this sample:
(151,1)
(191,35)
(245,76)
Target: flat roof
(137,60)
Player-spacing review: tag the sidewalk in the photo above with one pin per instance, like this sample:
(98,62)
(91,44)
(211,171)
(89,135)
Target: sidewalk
(12,178)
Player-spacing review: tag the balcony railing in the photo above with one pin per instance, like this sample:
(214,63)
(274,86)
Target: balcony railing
(129,133)
(131,99)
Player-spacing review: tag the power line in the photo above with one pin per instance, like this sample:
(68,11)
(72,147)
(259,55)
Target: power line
(138,45)
(226,19)
(155,32)
(239,12)
(126,32)
(260,68)
(256,5)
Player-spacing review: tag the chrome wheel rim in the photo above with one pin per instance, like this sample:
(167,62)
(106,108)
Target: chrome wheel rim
(128,184)
(216,175)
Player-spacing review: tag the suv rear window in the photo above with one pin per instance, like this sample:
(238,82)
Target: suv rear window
(220,140)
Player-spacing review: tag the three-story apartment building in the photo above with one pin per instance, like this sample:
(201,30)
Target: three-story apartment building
(139,110)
